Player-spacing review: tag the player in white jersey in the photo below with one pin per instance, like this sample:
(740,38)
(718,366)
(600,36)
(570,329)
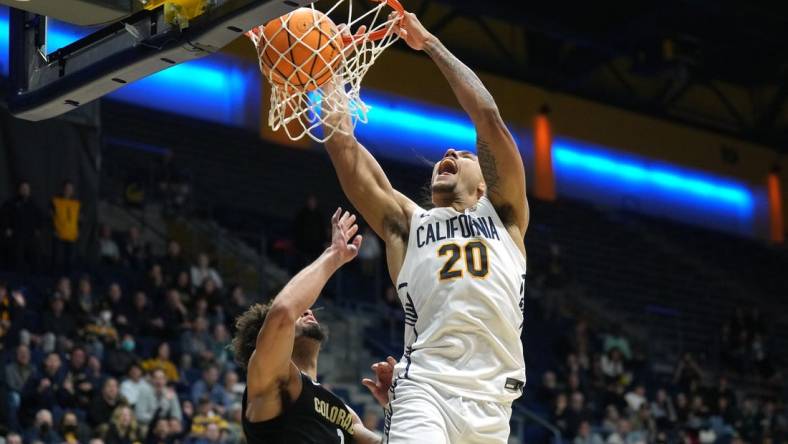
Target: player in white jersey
(459,269)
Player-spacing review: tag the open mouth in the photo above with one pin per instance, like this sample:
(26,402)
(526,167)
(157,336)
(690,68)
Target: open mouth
(310,318)
(447,166)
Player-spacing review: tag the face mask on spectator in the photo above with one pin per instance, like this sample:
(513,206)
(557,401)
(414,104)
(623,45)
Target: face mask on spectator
(128,345)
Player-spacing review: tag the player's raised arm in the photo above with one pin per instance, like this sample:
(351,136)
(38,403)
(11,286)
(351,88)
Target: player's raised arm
(270,365)
(363,181)
(499,158)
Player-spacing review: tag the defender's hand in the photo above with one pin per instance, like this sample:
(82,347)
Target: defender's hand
(383,373)
(343,229)
(412,31)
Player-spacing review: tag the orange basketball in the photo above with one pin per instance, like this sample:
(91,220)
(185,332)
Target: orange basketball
(302,46)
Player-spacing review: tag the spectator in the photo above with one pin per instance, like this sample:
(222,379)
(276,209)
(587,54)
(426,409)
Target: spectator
(613,366)
(173,262)
(173,316)
(218,345)
(235,430)
(79,380)
(161,401)
(548,390)
(86,304)
(65,219)
(687,372)
(20,224)
(213,435)
(370,253)
(203,270)
(636,398)
(625,435)
(43,391)
(616,339)
(18,372)
(235,306)
(209,386)
(233,390)
(610,421)
(104,403)
(134,250)
(310,231)
(138,317)
(72,430)
(42,430)
(159,432)
(123,427)
(586,436)
(109,253)
(559,413)
(120,356)
(183,284)
(576,414)
(134,385)
(156,285)
(12,305)
(662,410)
(210,293)
(197,341)
(205,417)
(162,362)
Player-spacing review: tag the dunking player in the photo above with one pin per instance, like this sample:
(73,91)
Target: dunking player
(459,269)
(278,345)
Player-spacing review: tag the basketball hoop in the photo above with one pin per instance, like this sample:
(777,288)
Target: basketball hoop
(315,68)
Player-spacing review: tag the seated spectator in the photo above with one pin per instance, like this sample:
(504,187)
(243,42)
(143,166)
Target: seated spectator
(616,339)
(613,366)
(610,421)
(19,370)
(213,434)
(203,270)
(636,398)
(662,410)
(235,306)
(173,262)
(43,391)
(134,250)
(113,301)
(173,316)
(625,435)
(156,285)
(122,429)
(548,390)
(161,401)
(197,341)
(184,286)
(576,414)
(218,345)
(211,293)
(206,416)
(134,384)
(109,253)
(235,430)
(137,319)
(104,403)
(233,390)
(72,430)
(159,432)
(42,429)
(586,436)
(687,372)
(682,408)
(120,356)
(162,362)
(209,386)
(79,379)
(86,305)
(57,321)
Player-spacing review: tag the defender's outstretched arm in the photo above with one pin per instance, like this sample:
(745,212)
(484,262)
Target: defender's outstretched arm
(270,364)
(497,151)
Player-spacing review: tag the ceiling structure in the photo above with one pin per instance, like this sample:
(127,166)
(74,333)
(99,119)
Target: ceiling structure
(709,64)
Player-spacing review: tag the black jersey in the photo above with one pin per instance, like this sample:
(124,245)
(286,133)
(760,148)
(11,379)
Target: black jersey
(317,416)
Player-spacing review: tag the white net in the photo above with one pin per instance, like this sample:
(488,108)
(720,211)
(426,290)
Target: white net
(315,68)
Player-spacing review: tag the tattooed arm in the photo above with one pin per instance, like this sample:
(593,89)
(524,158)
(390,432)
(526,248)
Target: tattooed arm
(499,158)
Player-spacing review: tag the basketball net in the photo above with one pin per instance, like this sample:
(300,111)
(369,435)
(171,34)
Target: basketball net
(302,108)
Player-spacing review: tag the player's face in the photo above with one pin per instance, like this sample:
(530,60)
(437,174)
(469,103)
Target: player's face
(308,326)
(457,172)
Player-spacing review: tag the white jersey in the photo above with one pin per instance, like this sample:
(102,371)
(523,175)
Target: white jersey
(462,286)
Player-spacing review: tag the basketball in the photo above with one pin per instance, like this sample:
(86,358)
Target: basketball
(304,45)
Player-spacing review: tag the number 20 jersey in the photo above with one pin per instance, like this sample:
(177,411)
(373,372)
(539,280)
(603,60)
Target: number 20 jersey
(462,286)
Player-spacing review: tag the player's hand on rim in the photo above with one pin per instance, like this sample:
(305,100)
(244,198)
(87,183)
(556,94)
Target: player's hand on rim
(411,30)
(384,372)
(344,241)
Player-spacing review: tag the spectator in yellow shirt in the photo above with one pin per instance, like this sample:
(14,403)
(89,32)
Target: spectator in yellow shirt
(162,362)
(65,220)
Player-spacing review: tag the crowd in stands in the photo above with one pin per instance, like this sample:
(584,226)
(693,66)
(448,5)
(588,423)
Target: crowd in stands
(142,358)
(603,393)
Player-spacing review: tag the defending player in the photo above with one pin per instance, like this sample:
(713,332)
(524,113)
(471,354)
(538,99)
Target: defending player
(279,346)
(459,269)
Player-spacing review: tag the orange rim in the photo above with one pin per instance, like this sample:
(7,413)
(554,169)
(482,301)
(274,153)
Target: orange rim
(380,33)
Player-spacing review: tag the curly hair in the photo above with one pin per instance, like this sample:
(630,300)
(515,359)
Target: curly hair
(247,327)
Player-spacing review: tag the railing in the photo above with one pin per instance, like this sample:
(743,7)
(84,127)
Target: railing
(520,417)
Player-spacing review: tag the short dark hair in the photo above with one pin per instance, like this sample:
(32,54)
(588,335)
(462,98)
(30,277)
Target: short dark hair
(247,327)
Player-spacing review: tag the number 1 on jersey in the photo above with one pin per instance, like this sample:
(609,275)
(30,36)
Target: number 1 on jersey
(475,260)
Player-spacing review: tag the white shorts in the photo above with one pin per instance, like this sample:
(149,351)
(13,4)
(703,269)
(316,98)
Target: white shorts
(419,414)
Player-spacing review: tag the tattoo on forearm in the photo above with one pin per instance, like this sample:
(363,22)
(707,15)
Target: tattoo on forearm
(469,89)
(488,166)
